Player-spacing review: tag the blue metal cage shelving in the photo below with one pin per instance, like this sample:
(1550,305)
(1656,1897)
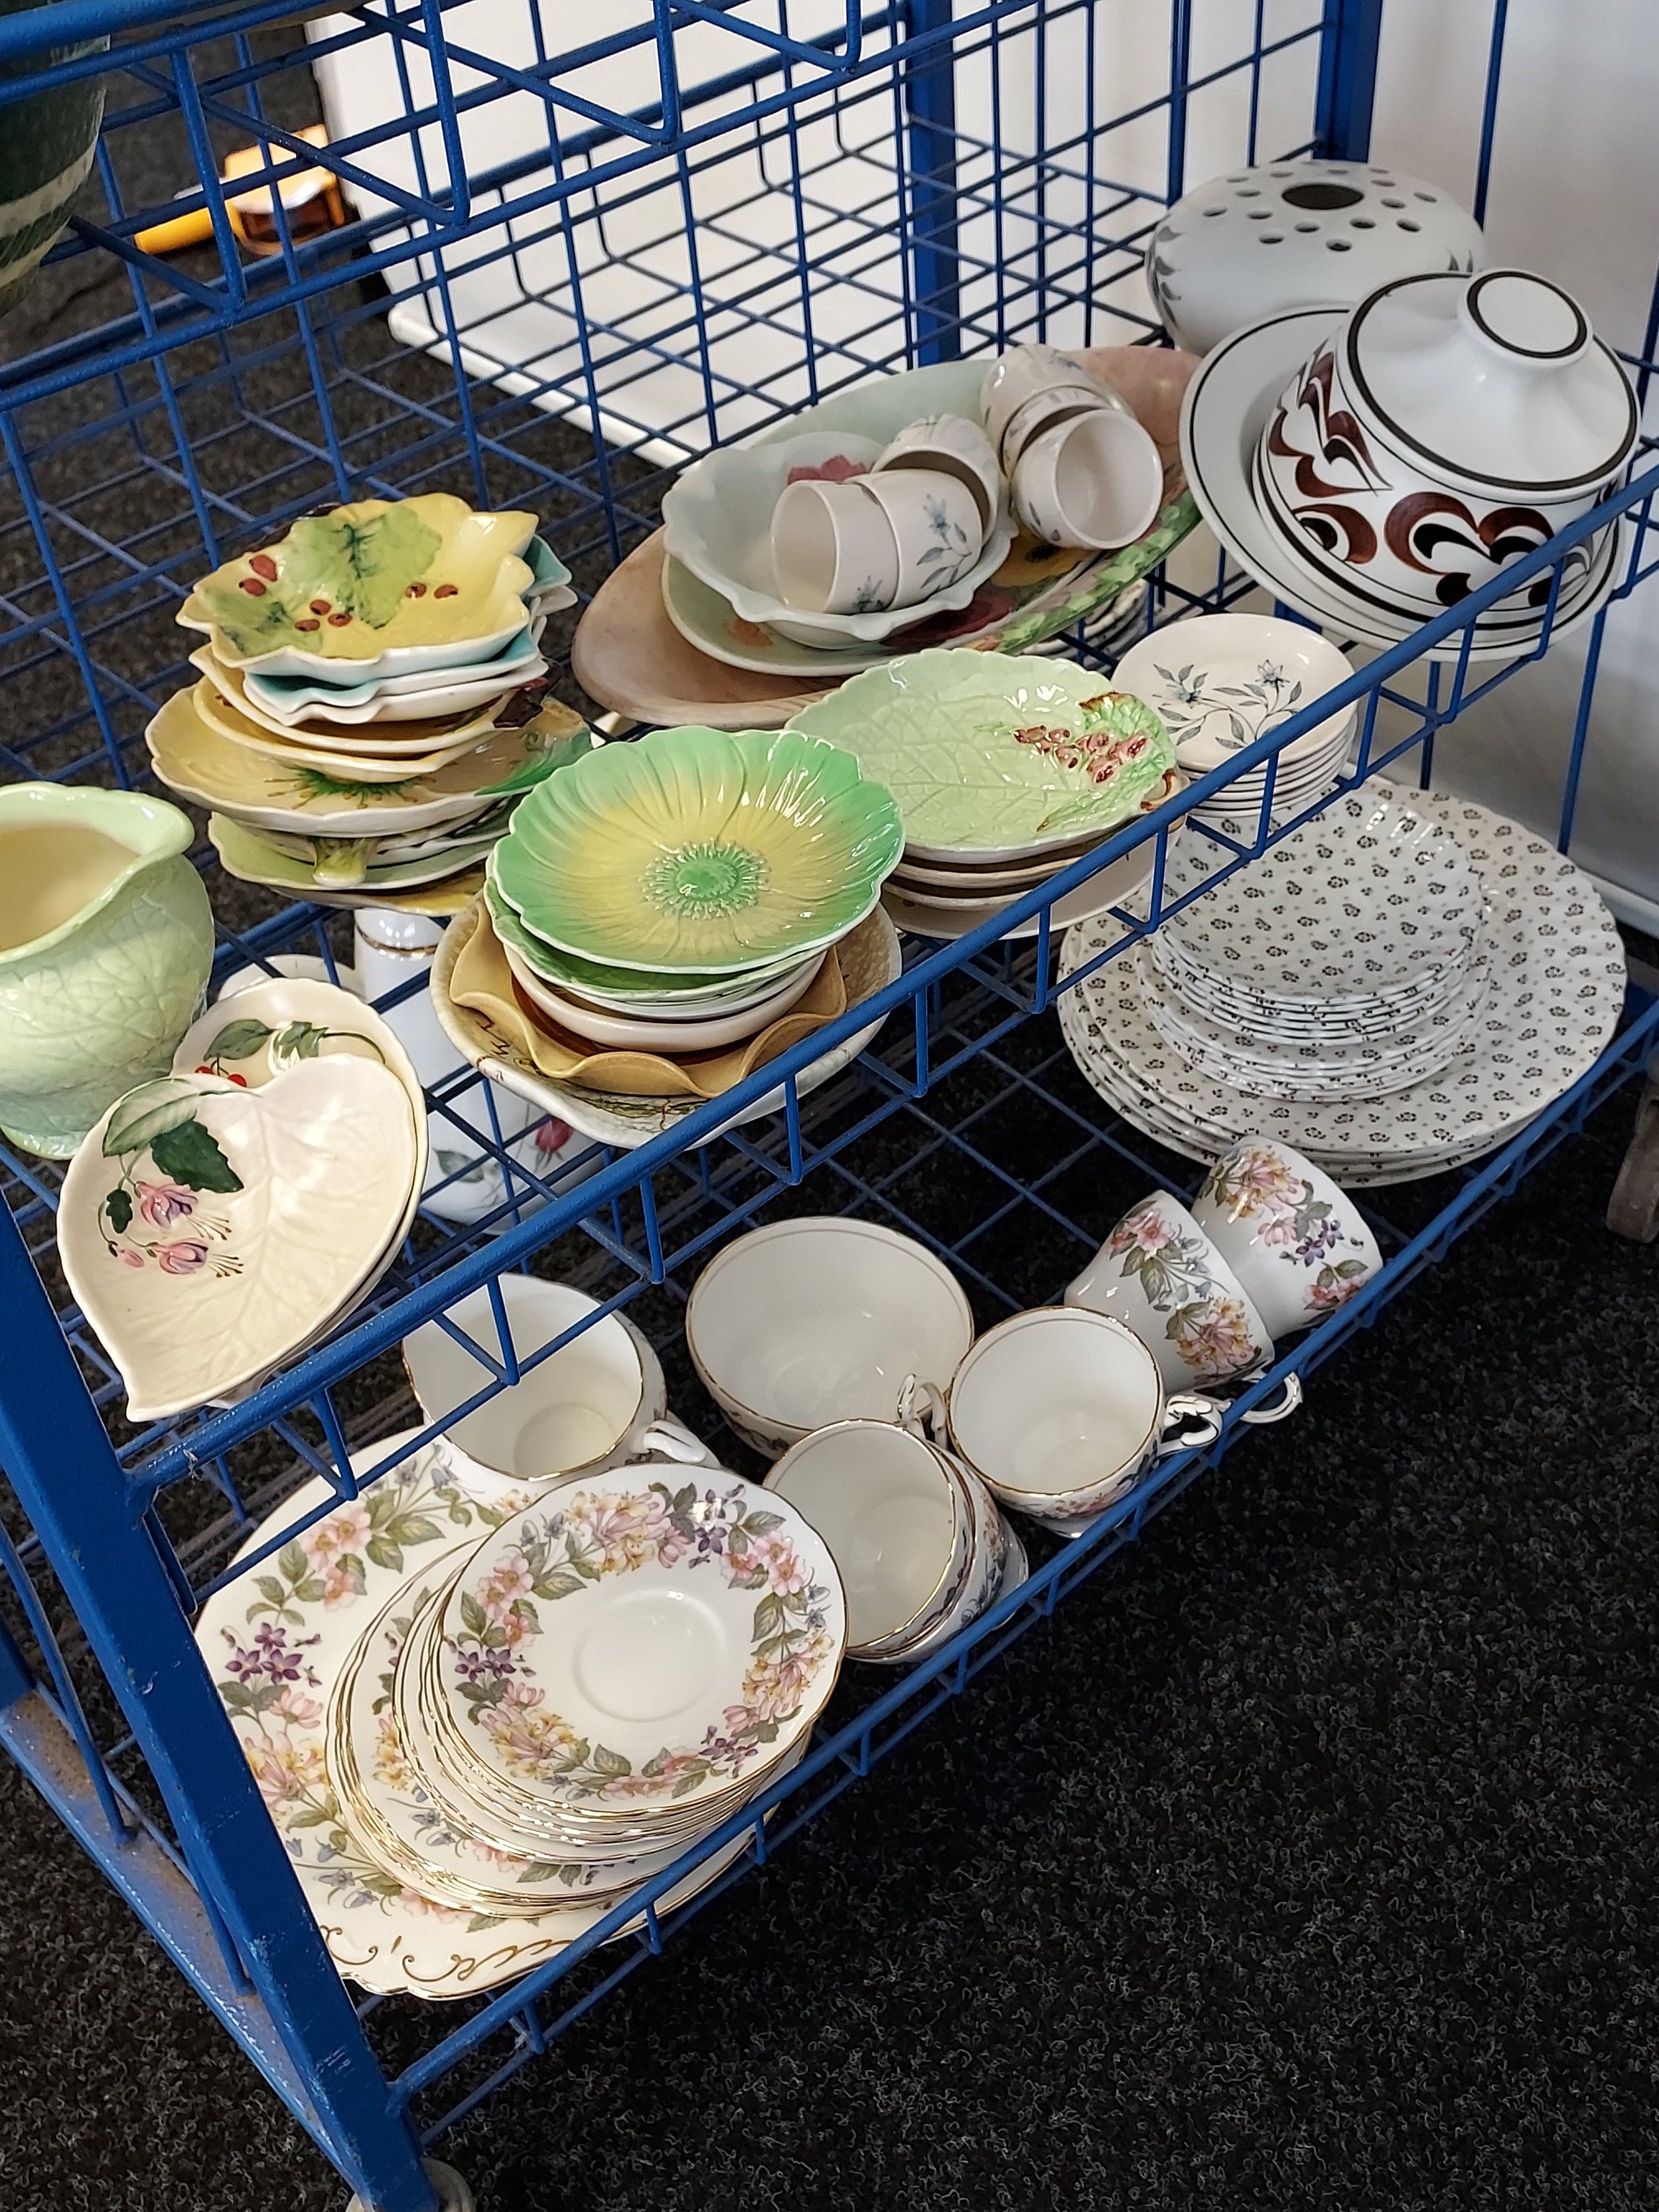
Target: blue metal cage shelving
(572,268)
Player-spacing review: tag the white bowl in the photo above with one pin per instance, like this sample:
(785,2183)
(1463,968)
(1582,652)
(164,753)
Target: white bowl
(717,519)
(654,1033)
(1220,682)
(821,1320)
(1296,235)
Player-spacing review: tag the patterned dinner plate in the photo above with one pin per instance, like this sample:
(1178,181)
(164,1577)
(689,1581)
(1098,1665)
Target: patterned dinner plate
(1558,989)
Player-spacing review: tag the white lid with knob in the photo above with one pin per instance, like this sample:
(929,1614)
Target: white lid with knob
(1495,381)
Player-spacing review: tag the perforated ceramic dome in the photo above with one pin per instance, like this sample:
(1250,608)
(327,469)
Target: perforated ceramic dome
(1298,234)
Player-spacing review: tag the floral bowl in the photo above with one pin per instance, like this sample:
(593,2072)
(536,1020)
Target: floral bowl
(1002,755)
(700,851)
(209,1228)
(379,587)
(717,519)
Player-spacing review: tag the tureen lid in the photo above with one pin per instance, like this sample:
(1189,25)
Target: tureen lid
(1496,380)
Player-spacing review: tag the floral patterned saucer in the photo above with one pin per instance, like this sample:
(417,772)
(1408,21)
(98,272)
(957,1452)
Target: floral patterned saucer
(635,1650)
(276,1641)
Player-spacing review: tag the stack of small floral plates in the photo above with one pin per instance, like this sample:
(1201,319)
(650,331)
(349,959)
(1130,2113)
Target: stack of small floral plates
(362,722)
(1386,1031)
(1006,768)
(308,1652)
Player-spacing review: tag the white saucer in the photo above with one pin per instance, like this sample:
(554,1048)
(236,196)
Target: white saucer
(1222,418)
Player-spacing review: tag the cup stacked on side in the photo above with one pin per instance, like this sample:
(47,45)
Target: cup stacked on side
(679,895)
(607,1677)
(361,725)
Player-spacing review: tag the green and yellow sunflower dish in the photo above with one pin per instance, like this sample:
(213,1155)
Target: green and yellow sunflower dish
(700,852)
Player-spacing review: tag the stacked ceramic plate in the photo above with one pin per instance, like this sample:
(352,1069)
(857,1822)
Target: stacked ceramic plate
(608,1676)
(680,895)
(407,1901)
(362,714)
(1400,987)
(1004,769)
(218,1222)
(1218,682)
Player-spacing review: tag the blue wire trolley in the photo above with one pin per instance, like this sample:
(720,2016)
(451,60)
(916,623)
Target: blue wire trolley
(570,268)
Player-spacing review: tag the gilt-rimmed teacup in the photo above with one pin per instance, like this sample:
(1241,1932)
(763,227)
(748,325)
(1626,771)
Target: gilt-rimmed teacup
(1060,1412)
(1160,1274)
(598,1402)
(895,1519)
(1299,1246)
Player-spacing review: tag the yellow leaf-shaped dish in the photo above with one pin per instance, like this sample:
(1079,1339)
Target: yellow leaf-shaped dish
(375,588)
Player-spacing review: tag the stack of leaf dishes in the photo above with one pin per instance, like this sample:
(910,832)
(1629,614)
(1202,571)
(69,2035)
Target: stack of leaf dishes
(610,1675)
(370,696)
(684,896)
(1006,768)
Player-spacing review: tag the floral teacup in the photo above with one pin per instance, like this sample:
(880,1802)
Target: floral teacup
(1160,1275)
(1299,1247)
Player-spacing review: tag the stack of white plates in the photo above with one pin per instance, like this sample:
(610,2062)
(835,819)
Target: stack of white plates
(1297,990)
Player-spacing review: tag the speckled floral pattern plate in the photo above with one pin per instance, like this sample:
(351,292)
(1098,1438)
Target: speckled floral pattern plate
(1558,989)
(275,1642)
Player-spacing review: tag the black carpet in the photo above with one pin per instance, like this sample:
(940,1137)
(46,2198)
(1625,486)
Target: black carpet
(1307,1857)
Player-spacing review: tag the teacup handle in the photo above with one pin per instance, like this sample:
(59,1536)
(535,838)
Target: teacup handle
(930,1423)
(1258,1416)
(1180,1413)
(673,1440)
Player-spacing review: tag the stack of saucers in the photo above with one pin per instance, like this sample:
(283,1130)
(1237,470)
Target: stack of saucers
(368,653)
(1220,682)
(677,896)
(1006,768)
(610,1675)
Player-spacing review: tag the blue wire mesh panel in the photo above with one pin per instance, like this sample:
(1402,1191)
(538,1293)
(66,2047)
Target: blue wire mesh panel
(569,269)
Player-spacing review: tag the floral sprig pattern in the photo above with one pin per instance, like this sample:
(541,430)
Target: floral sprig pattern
(601,1534)
(1253,1183)
(1207,1325)
(1192,703)
(139,1216)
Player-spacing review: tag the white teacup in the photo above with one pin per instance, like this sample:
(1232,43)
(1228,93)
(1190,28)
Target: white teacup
(1060,1411)
(1044,410)
(1299,1246)
(1160,1275)
(834,550)
(598,1402)
(896,1521)
(1094,479)
(1019,374)
(953,446)
(936,521)
(822,1319)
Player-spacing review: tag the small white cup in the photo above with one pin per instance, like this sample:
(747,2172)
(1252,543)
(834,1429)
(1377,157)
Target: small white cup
(1042,411)
(598,1402)
(953,446)
(1094,480)
(1016,376)
(834,550)
(1298,1245)
(896,1520)
(1060,1412)
(1160,1275)
(936,521)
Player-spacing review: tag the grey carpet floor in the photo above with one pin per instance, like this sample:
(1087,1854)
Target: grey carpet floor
(1306,1857)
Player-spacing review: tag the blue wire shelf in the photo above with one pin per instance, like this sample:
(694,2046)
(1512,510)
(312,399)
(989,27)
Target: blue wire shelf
(570,271)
